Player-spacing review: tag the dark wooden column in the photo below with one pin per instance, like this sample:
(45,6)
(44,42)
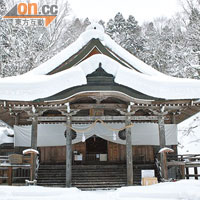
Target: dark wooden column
(17,149)
(161,126)
(196,173)
(34,144)
(163,156)
(129,154)
(68,152)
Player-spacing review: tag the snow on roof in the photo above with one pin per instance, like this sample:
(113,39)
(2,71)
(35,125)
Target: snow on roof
(94,31)
(5,134)
(26,151)
(31,87)
(166,149)
(36,84)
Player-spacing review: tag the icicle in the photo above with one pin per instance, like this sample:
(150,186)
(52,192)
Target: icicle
(83,137)
(129,108)
(33,109)
(114,136)
(68,107)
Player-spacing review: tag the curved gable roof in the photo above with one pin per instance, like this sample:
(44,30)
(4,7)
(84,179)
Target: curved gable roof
(31,87)
(128,71)
(94,36)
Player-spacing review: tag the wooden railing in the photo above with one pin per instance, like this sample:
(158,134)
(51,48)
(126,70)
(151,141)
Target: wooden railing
(190,161)
(184,157)
(11,172)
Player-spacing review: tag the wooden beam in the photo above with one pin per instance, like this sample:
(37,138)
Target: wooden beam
(68,152)
(34,144)
(175,163)
(110,106)
(129,154)
(93,118)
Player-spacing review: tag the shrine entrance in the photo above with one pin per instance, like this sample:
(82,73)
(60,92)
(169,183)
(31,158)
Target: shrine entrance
(96,149)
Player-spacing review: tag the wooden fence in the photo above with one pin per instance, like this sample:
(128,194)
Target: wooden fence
(191,163)
(14,170)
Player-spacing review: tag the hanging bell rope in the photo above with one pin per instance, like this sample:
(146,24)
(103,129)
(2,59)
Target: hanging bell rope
(103,123)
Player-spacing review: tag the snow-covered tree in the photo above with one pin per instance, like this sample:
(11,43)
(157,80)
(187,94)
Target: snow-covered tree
(24,48)
(191,18)
(125,32)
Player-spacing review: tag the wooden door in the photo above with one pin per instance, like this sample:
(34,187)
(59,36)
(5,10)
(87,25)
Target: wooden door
(53,155)
(116,152)
(57,155)
(141,154)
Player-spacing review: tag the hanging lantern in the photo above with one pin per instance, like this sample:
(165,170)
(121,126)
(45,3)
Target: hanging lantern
(122,134)
(83,137)
(73,134)
(114,136)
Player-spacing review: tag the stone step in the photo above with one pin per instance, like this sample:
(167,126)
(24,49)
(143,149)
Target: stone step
(83,166)
(143,166)
(85,187)
(99,186)
(84,178)
(88,177)
(83,173)
(88,182)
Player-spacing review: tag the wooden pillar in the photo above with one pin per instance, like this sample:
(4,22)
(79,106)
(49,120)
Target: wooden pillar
(161,126)
(9,175)
(17,119)
(173,118)
(129,154)
(164,170)
(34,145)
(196,173)
(163,156)
(182,170)
(68,152)
(17,149)
(187,173)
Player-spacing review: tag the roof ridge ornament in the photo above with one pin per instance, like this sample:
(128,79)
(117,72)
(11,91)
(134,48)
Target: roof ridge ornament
(95,26)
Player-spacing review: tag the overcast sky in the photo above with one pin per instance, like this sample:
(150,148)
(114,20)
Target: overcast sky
(142,10)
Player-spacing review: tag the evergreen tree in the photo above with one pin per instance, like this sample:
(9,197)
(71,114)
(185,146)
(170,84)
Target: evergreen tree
(23,48)
(127,33)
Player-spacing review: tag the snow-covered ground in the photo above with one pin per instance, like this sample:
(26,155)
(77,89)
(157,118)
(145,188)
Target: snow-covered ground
(181,190)
(189,135)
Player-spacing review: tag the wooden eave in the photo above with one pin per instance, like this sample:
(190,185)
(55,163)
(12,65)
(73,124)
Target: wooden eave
(182,109)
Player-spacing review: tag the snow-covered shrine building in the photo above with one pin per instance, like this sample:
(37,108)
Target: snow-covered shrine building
(95,103)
